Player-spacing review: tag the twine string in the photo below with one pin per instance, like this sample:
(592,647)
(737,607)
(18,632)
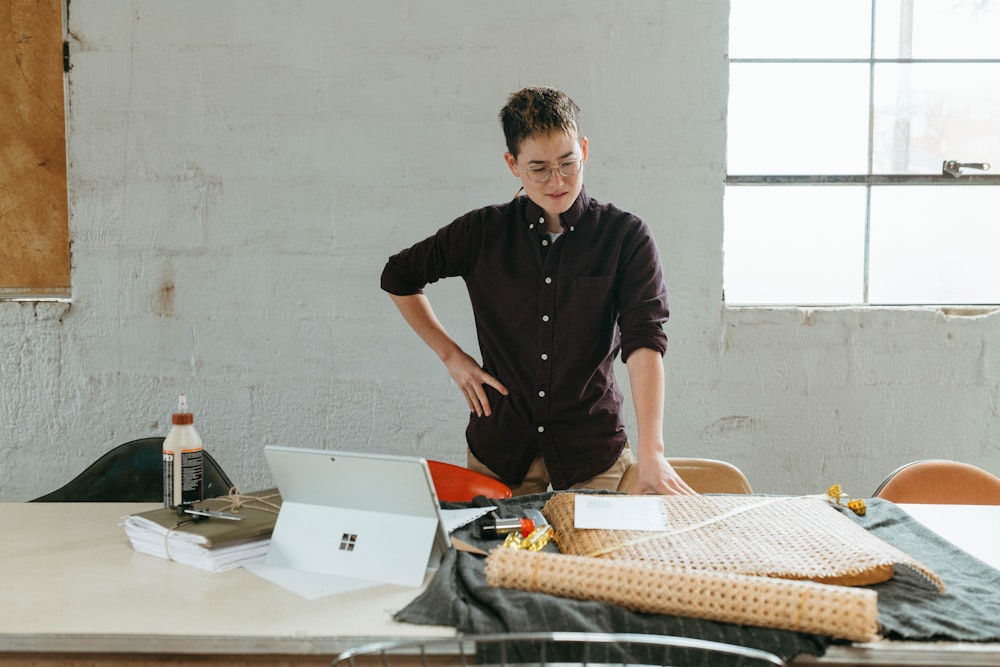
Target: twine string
(238,500)
(677,531)
(707,522)
(234,502)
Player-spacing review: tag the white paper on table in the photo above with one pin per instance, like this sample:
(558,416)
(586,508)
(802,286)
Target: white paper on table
(310,585)
(620,512)
(455,519)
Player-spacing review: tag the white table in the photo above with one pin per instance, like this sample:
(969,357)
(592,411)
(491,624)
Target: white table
(71,583)
(72,591)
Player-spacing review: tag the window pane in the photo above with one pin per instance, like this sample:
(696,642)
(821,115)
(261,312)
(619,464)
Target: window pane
(798,119)
(799,29)
(935,29)
(794,245)
(928,113)
(935,245)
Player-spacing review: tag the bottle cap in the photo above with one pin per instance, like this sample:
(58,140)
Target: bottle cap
(182,417)
(493,529)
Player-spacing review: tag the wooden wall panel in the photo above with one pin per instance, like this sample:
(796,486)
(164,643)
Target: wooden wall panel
(34,212)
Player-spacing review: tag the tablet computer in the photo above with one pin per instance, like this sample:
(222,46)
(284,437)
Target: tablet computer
(368,517)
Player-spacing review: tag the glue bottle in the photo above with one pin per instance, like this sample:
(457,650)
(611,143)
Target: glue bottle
(183,461)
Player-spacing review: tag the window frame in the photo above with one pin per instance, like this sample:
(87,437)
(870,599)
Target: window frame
(953,173)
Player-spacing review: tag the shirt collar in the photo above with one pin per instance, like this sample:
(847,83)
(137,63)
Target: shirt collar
(568,219)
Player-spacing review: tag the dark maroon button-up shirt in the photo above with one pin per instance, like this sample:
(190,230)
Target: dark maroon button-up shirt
(551,317)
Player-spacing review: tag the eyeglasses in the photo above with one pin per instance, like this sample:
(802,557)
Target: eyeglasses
(567,168)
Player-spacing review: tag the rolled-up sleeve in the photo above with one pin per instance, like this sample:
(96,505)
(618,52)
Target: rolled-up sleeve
(642,297)
(398,278)
(449,252)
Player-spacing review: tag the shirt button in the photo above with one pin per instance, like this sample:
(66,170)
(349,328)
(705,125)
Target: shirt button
(541,394)
(541,429)
(541,220)
(545,241)
(545,318)
(548,281)
(545,357)
(572,228)
(531,226)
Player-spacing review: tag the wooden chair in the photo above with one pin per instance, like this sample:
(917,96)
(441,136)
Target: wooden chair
(455,484)
(702,475)
(940,482)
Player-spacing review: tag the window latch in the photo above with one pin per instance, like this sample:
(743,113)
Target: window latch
(954,168)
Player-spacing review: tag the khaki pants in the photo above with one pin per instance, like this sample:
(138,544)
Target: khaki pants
(537,479)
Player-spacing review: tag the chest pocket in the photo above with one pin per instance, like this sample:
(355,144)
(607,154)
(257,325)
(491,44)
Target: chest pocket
(591,307)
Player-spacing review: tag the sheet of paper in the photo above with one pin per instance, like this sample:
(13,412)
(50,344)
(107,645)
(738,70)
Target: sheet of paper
(310,585)
(455,519)
(620,512)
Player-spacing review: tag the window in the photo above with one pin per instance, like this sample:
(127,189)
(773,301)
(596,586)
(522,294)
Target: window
(860,136)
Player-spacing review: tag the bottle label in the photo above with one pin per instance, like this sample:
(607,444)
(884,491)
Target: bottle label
(168,479)
(192,471)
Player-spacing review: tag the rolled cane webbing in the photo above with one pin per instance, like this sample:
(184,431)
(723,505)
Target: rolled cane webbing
(786,537)
(801,606)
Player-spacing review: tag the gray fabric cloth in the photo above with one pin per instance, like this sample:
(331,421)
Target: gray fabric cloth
(968,609)
(909,607)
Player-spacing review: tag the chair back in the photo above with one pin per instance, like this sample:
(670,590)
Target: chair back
(132,472)
(940,482)
(455,484)
(702,475)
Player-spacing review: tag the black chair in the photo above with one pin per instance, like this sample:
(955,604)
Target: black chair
(131,472)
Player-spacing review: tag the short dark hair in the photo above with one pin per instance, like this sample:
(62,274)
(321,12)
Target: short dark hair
(537,111)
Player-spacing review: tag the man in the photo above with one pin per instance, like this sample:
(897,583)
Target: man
(559,284)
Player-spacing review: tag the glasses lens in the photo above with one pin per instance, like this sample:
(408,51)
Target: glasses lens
(570,167)
(539,174)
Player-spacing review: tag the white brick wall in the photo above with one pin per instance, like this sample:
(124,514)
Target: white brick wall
(240,170)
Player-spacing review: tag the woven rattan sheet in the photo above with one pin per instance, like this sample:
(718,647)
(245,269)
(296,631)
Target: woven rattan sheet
(801,538)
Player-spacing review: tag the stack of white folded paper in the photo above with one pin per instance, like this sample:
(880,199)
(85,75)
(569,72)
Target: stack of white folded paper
(149,537)
(211,543)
